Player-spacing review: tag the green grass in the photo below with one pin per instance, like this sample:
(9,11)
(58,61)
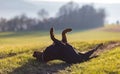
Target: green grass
(107,63)
(16,50)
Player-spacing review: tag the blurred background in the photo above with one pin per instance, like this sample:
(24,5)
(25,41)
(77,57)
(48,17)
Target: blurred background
(26,15)
(25,25)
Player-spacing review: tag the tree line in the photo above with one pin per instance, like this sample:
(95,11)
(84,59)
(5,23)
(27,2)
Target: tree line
(69,15)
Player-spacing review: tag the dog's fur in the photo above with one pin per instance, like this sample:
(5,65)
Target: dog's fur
(63,51)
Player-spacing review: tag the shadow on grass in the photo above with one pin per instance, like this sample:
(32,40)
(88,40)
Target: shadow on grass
(35,67)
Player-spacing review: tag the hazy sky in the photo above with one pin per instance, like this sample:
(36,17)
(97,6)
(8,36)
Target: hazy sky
(81,1)
(10,8)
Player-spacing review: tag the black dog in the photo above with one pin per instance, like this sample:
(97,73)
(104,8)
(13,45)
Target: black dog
(63,51)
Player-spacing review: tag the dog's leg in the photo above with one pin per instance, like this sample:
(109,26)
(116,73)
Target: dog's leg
(89,53)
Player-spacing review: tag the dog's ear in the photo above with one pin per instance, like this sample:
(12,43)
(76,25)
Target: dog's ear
(37,54)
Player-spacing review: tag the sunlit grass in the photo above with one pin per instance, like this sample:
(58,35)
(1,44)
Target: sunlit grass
(107,63)
(16,50)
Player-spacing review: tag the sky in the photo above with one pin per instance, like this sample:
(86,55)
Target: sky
(81,1)
(11,8)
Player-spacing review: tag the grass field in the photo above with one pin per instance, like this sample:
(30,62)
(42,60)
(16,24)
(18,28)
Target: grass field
(16,50)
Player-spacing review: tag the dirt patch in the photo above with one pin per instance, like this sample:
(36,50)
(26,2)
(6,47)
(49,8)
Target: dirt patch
(107,46)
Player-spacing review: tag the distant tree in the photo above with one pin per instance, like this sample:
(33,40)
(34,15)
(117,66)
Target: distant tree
(43,14)
(101,16)
(2,24)
(66,15)
(67,9)
(18,23)
(86,17)
(117,22)
(69,15)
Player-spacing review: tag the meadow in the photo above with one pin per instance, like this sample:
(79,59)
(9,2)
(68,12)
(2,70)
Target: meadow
(16,49)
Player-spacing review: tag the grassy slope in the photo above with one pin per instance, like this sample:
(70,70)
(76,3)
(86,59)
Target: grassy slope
(16,52)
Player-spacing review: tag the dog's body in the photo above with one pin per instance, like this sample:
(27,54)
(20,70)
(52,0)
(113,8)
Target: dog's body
(63,51)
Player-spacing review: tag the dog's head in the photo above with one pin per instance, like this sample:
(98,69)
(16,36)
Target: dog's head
(38,55)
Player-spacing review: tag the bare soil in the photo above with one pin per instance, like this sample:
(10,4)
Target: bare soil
(107,47)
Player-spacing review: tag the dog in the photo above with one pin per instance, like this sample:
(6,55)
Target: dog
(62,50)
